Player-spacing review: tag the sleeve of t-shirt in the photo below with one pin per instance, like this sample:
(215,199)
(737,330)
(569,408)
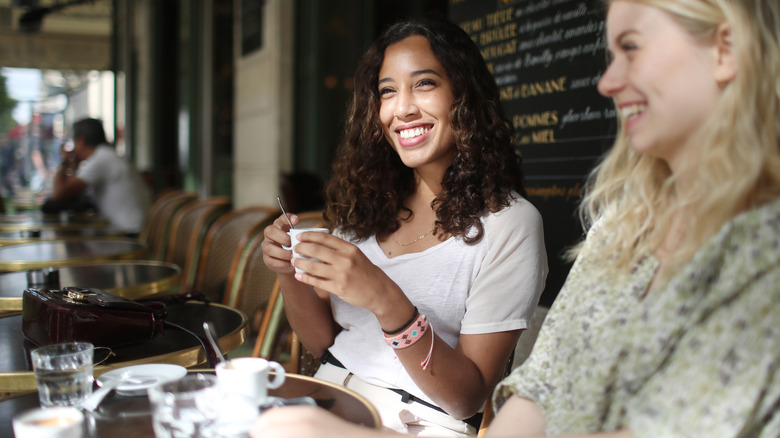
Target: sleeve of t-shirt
(512,275)
(90,171)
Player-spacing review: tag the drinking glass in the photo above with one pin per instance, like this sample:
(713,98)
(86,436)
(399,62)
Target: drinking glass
(63,373)
(194,407)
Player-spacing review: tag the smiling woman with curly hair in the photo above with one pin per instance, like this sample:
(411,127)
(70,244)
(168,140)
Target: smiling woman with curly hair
(436,262)
(371,183)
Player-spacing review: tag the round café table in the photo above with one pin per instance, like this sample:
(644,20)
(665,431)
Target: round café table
(51,222)
(27,236)
(27,216)
(45,253)
(122,416)
(131,279)
(176,346)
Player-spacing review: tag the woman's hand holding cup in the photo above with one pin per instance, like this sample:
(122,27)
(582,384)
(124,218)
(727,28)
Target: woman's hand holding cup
(276,242)
(294,240)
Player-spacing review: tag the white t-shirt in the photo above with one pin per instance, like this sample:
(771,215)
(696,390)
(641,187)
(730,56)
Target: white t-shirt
(117,189)
(488,287)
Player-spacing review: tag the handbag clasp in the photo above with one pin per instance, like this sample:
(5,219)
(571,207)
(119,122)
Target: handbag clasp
(78,295)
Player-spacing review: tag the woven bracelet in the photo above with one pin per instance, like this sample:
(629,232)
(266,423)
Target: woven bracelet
(413,333)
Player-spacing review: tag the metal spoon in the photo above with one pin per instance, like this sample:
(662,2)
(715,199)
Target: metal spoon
(285,213)
(212,337)
(93,401)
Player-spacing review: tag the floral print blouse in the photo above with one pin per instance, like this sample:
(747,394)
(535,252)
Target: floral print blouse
(700,358)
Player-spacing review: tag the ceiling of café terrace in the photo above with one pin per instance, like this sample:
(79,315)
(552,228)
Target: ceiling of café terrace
(74,35)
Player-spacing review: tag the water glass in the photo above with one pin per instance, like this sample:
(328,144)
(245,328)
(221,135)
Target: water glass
(194,407)
(63,373)
(177,407)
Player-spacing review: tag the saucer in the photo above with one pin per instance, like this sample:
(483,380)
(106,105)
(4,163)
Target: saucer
(136,379)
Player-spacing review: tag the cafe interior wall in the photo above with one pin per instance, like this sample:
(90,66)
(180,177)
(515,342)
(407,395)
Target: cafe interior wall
(263,92)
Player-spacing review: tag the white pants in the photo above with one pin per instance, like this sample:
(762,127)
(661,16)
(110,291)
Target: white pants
(411,418)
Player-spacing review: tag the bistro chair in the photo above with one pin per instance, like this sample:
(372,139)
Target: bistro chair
(275,337)
(247,268)
(224,242)
(250,285)
(152,215)
(161,215)
(189,228)
(522,350)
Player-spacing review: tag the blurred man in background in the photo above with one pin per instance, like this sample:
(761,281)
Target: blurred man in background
(113,183)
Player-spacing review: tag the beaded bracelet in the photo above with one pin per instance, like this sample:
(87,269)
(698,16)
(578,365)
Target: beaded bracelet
(406,324)
(411,335)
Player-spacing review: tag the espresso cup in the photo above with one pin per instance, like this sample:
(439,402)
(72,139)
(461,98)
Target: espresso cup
(249,377)
(294,241)
(58,422)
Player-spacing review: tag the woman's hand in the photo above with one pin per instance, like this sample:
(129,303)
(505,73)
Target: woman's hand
(274,255)
(308,422)
(343,270)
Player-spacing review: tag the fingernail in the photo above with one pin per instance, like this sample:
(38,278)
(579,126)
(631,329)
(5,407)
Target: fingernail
(299,276)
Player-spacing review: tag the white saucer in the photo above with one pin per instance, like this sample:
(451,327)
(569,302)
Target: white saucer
(138,378)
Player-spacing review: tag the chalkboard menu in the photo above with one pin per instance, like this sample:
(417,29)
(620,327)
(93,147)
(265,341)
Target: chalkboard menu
(547,57)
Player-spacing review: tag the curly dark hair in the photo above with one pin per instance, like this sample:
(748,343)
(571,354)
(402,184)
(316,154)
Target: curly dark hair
(370,182)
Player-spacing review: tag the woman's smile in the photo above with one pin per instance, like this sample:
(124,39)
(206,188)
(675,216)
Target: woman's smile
(412,135)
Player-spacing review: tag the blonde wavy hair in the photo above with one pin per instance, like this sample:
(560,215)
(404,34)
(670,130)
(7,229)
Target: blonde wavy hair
(634,196)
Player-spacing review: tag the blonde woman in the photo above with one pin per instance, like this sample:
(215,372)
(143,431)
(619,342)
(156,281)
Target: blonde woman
(667,325)
(668,322)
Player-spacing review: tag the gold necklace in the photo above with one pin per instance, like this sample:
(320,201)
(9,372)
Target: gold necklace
(415,240)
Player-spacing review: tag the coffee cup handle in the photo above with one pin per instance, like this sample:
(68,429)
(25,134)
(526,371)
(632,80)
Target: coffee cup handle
(278,377)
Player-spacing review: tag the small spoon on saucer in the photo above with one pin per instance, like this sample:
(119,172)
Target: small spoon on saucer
(93,401)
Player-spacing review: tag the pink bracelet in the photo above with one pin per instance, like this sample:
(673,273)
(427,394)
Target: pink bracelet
(411,335)
(424,363)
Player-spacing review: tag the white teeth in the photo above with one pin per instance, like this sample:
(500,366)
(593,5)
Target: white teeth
(414,132)
(632,110)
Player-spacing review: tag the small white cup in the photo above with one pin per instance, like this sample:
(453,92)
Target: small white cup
(58,422)
(249,376)
(294,232)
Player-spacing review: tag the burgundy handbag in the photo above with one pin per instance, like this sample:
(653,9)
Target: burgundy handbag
(89,315)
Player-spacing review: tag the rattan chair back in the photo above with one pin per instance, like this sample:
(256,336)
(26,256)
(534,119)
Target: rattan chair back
(188,232)
(225,242)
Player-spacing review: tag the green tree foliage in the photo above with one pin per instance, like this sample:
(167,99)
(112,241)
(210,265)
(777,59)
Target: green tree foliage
(7,105)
